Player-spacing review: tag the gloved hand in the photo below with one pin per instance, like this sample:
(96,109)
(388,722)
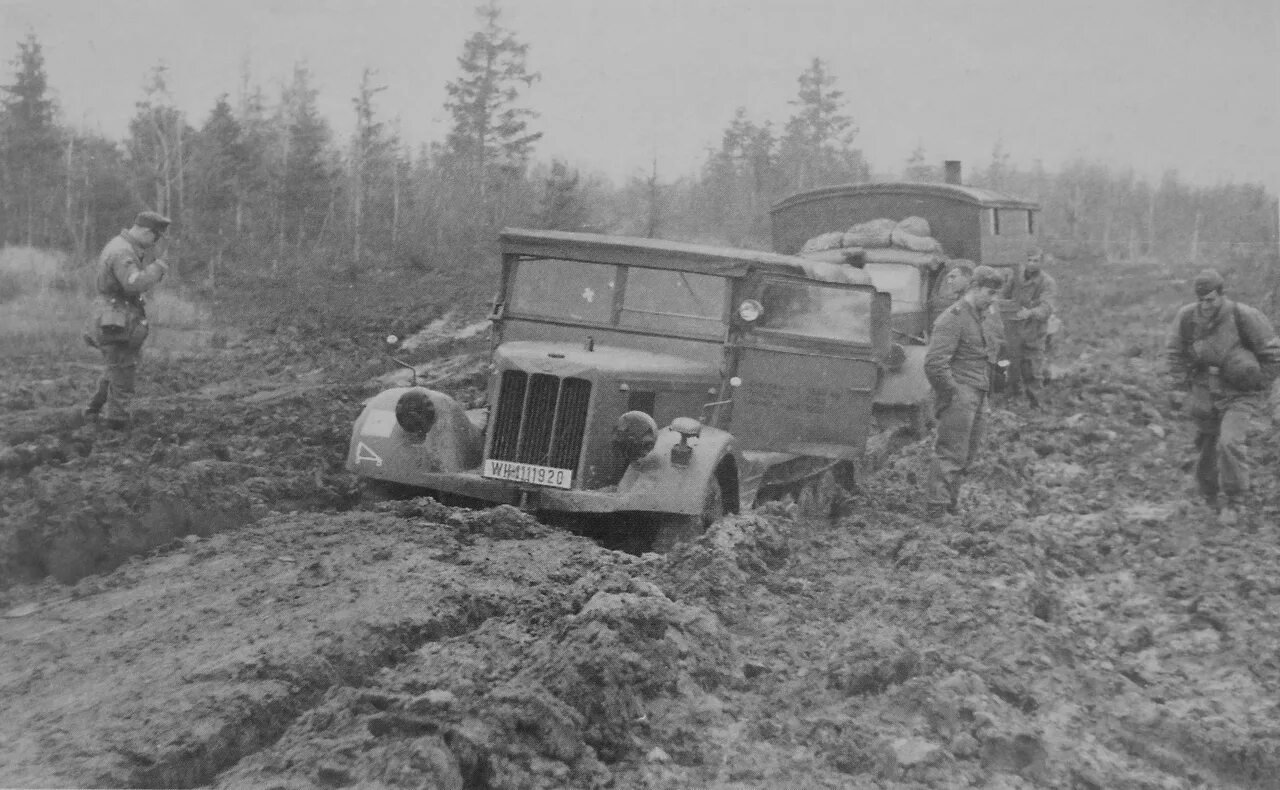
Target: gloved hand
(1176,399)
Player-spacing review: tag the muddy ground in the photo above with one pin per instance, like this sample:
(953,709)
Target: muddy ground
(204,602)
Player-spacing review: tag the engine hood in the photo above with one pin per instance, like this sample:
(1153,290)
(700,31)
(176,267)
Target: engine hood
(561,359)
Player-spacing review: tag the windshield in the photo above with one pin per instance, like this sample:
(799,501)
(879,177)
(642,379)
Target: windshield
(571,290)
(674,301)
(659,300)
(813,310)
(902,281)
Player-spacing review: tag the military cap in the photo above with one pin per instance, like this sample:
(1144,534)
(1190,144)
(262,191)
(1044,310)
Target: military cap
(986,277)
(153,221)
(1207,281)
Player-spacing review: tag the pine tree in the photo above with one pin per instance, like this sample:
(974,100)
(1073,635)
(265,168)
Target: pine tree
(373,170)
(918,168)
(490,130)
(30,151)
(563,204)
(817,145)
(157,137)
(304,192)
(739,181)
(218,164)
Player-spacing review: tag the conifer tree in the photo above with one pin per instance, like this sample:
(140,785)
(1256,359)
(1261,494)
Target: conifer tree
(817,144)
(490,129)
(30,151)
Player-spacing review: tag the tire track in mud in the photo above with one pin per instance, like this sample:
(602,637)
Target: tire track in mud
(171,670)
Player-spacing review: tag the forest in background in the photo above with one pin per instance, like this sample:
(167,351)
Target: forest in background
(261,187)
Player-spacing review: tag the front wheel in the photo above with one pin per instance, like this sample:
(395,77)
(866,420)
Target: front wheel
(673,529)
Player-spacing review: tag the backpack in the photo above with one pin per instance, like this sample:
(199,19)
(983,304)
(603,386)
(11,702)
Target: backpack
(1240,369)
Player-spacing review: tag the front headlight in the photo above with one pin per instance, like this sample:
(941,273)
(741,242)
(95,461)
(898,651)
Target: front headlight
(415,412)
(750,310)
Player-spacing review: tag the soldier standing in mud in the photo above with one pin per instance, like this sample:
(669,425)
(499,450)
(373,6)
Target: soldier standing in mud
(957,364)
(127,269)
(1225,356)
(954,284)
(1033,293)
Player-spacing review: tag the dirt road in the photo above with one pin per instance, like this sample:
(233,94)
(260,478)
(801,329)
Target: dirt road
(1084,623)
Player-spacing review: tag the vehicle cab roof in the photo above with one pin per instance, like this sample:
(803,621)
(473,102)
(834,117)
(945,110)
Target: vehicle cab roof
(680,256)
(957,192)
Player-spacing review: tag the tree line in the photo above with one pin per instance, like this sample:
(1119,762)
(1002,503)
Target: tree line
(261,184)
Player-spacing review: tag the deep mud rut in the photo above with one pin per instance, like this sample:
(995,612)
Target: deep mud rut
(1083,624)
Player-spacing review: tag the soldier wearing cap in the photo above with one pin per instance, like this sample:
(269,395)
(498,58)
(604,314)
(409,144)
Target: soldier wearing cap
(128,267)
(1223,355)
(957,366)
(1033,294)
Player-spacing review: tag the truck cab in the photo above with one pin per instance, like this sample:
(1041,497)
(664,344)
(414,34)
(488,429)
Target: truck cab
(648,382)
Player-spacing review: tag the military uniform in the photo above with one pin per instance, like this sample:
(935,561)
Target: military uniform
(957,366)
(1028,336)
(126,271)
(1197,353)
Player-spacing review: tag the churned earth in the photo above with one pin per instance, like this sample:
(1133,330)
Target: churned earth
(205,602)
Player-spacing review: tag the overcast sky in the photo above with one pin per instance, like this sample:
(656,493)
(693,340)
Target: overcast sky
(1154,84)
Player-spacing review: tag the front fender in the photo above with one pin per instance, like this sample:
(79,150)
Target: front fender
(382,450)
(654,483)
(907,385)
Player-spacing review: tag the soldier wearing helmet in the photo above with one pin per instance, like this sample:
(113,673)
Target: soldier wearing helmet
(1224,355)
(1033,293)
(957,366)
(128,267)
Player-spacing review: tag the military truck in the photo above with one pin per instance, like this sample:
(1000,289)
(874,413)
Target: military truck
(653,386)
(968,223)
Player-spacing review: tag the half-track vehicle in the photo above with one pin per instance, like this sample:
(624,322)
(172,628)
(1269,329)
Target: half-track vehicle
(650,385)
(964,223)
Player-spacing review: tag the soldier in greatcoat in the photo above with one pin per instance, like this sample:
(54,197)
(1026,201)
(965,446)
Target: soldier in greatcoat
(957,365)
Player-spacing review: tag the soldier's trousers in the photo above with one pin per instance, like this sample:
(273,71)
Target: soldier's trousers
(1222,431)
(1026,368)
(115,388)
(961,423)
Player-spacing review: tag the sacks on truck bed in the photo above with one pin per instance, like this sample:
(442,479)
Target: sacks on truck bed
(910,241)
(916,226)
(911,234)
(872,235)
(826,241)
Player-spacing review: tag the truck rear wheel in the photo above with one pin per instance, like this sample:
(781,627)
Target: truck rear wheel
(817,498)
(673,529)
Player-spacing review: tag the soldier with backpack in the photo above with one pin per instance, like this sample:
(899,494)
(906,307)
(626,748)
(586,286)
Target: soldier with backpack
(1222,358)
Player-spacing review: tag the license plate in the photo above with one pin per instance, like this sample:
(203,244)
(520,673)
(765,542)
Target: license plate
(528,473)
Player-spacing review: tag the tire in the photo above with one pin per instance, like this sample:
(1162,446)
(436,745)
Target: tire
(673,529)
(818,496)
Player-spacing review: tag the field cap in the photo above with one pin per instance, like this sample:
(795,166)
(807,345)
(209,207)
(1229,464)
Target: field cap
(1207,281)
(986,277)
(153,221)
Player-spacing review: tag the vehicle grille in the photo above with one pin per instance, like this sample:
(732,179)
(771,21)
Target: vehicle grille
(540,419)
